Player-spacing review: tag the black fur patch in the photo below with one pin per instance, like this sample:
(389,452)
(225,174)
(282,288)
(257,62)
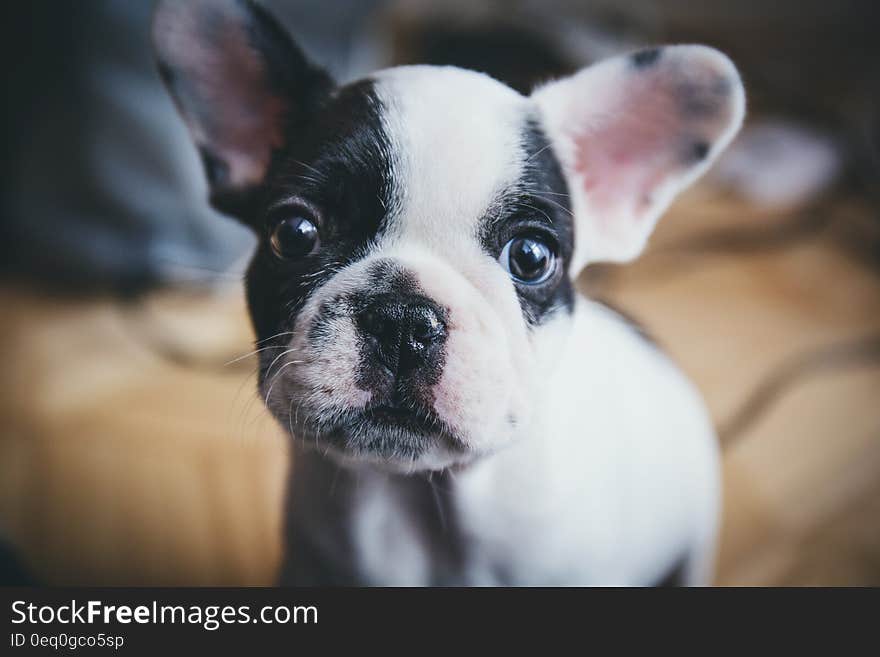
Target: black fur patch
(698,151)
(338,163)
(645,58)
(538,203)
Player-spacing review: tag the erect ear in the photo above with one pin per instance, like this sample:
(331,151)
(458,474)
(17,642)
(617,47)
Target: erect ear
(631,133)
(239,82)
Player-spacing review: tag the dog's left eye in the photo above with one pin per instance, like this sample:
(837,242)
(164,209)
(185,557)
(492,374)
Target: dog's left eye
(528,259)
(294,237)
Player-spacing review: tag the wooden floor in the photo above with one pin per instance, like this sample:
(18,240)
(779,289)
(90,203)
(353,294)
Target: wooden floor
(130,454)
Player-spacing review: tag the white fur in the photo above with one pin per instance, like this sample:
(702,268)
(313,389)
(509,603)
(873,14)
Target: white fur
(622,446)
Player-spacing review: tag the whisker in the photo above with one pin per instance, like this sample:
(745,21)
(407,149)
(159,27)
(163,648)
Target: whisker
(279,356)
(309,167)
(277,375)
(538,152)
(538,210)
(255,351)
(439,504)
(539,194)
(545,191)
(272,337)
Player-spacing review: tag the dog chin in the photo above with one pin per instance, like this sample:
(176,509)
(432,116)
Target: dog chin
(394,442)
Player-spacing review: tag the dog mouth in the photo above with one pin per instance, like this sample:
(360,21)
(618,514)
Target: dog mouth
(406,417)
(386,431)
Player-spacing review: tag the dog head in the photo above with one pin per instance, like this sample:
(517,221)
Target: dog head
(420,230)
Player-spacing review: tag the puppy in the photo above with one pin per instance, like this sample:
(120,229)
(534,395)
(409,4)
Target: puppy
(459,415)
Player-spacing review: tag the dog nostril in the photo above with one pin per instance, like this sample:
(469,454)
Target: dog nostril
(375,323)
(426,326)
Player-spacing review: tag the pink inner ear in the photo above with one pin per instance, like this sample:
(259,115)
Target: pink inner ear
(229,105)
(248,125)
(628,150)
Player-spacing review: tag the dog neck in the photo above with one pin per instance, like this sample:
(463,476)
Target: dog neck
(328,504)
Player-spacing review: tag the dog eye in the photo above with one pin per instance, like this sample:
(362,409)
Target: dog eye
(528,259)
(294,237)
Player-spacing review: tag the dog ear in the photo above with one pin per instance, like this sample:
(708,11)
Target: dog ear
(632,132)
(239,82)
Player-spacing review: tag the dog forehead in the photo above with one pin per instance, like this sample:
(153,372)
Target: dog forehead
(456,138)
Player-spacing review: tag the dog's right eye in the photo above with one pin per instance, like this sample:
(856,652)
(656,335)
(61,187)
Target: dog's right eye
(294,237)
(529,259)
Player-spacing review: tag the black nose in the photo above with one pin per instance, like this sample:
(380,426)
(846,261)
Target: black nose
(406,333)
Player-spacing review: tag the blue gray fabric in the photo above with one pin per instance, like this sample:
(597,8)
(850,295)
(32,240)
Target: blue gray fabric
(102,188)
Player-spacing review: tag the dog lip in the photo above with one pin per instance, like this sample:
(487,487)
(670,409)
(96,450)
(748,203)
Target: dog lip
(413,418)
(410,423)
(396,413)
(391,410)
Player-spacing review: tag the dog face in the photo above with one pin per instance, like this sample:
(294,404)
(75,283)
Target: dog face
(420,229)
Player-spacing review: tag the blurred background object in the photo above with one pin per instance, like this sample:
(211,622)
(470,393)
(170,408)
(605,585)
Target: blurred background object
(102,190)
(131,452)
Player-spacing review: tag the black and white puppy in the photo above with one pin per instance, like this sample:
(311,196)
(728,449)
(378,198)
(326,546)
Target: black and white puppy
(459,414)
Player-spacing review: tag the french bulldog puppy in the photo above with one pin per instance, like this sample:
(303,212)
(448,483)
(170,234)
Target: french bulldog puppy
(458,413)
